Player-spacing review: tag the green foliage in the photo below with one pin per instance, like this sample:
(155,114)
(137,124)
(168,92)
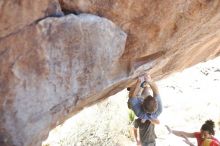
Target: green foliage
(131,116)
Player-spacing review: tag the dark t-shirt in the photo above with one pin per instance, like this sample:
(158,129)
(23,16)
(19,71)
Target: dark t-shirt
(146,131)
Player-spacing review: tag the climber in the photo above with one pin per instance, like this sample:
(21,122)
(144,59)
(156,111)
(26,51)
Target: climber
(204,137)
(145,106)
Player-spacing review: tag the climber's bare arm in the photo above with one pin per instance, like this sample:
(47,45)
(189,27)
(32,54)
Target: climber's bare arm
(135,90)
(155,121)
(152,85)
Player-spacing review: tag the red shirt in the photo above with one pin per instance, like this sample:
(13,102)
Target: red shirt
(199,139)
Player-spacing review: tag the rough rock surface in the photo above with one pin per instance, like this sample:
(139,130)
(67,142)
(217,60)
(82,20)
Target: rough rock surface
(62,63)
(51,65)
(16,14)
(170,34)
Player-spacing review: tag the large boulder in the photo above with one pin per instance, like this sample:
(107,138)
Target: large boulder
(53,65)
(52,69)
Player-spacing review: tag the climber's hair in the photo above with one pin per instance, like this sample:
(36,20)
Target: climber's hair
(149,105)
(209,126)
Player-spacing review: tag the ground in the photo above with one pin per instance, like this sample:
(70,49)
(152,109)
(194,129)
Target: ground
(189,98)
